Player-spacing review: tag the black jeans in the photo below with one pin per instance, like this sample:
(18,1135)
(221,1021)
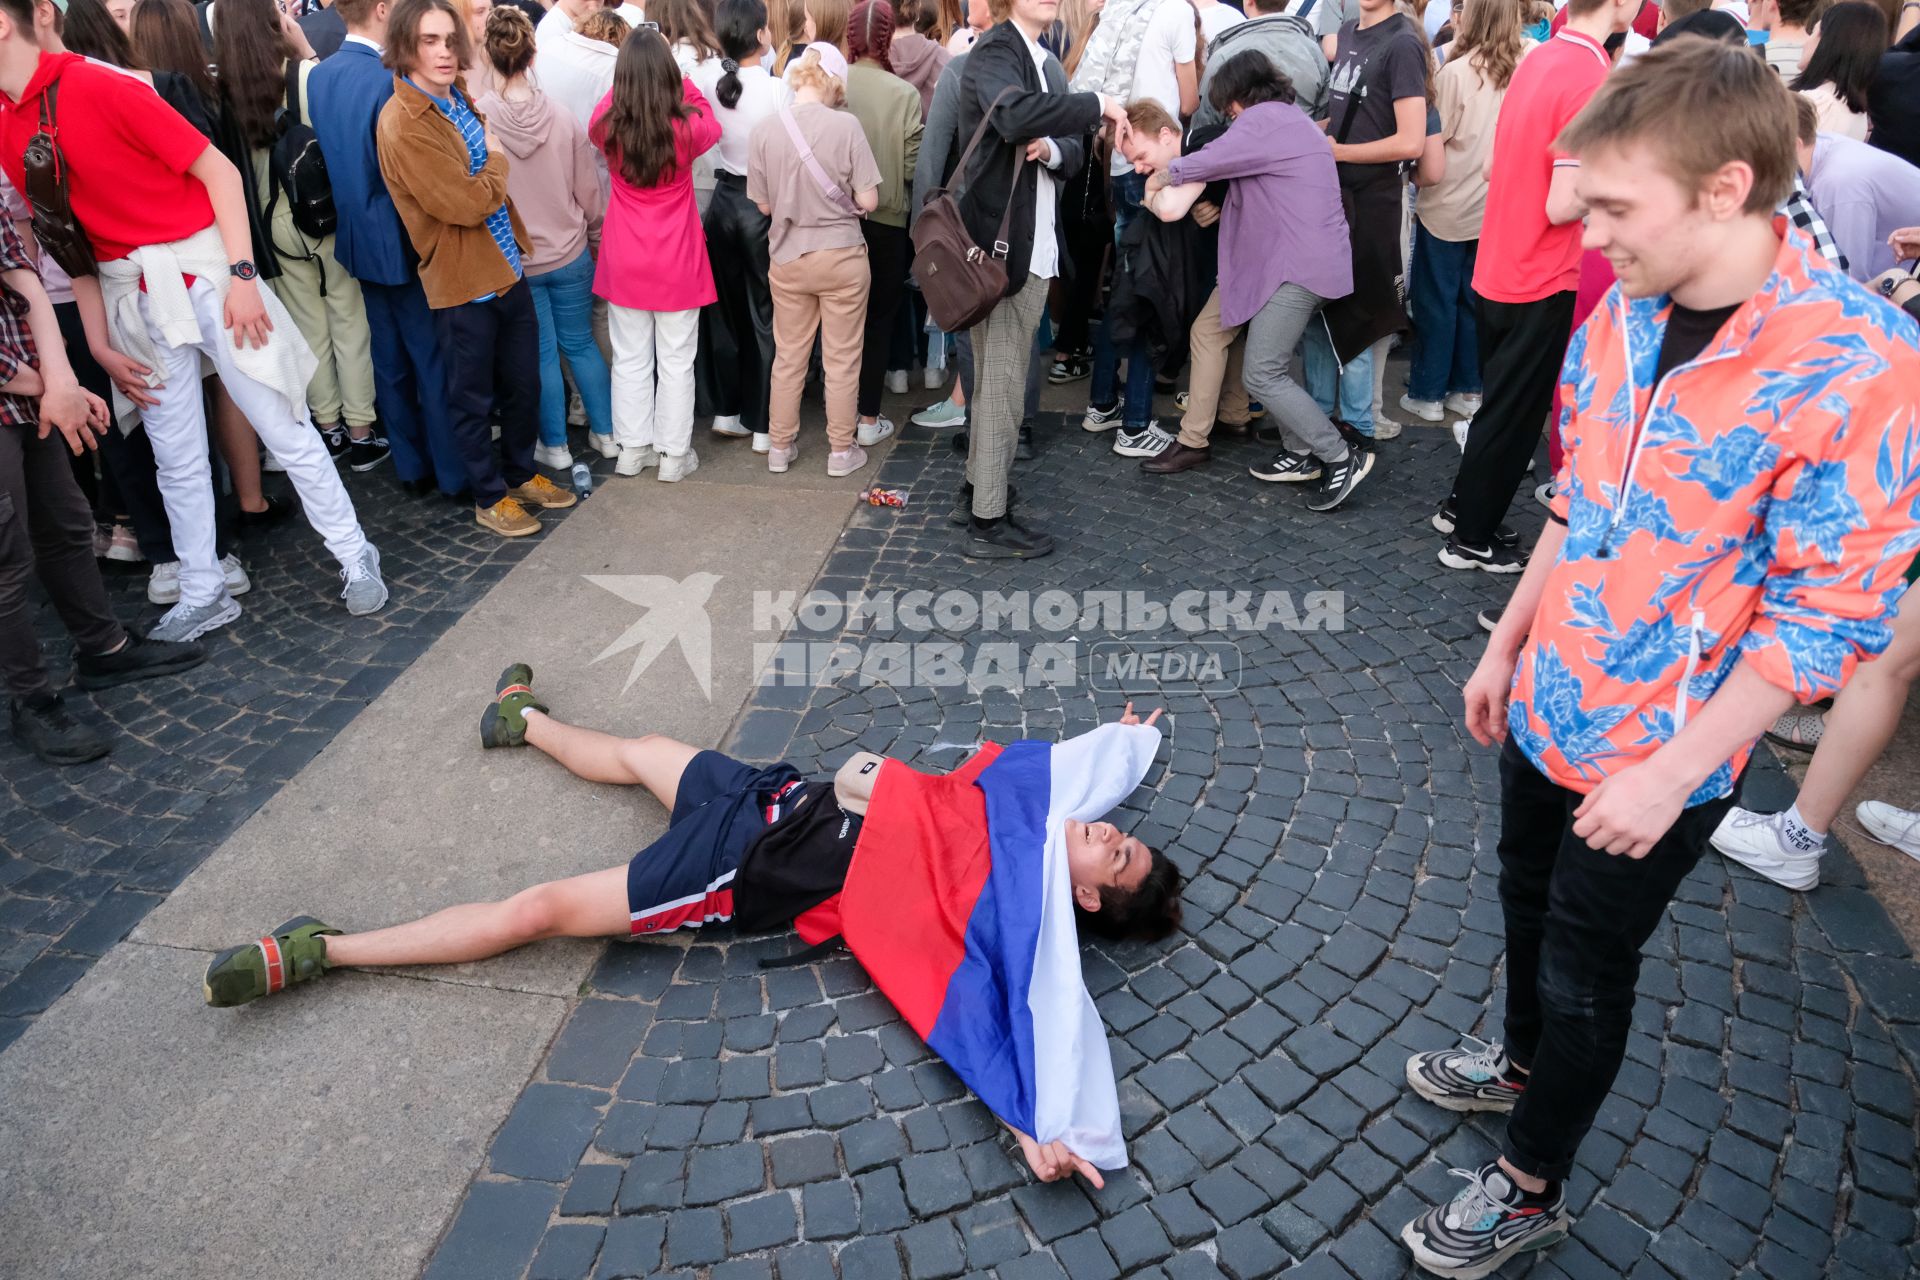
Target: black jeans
(887,251)
(1576,920)
(735,364)
(492,350)
(1522,345)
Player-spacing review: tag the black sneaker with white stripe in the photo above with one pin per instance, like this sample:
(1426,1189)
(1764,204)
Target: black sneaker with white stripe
(1492,1220)
(1340,479)
(1142,442)
(1476,1078)
(1444,520)
(1288,468)
(1496,559)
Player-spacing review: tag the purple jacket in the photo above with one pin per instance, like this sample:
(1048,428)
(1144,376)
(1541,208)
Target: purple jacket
(1282,223)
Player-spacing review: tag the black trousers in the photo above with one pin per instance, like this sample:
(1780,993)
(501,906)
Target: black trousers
(887,252)
(735,364)
(492,351)
(1077,296)
(45,525)
(1522,345)
(1576,919)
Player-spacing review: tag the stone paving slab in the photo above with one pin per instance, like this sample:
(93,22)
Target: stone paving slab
(143,1136)
(701,1117)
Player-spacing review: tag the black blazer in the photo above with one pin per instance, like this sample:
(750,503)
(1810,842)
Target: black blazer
(998,59)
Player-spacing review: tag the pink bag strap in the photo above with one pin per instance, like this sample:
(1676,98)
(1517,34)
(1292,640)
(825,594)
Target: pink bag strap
(828,187)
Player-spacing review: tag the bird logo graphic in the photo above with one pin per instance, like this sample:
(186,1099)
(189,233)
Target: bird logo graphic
(674,611)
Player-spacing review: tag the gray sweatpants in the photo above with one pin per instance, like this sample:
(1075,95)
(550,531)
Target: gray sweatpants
(1272,335)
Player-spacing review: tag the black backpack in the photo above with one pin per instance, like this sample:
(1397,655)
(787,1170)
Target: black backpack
(299,170)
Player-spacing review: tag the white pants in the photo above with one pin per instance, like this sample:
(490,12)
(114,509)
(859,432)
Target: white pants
(645,342)
(177,427)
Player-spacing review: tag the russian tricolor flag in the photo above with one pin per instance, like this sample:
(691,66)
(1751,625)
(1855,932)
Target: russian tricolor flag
(960,906)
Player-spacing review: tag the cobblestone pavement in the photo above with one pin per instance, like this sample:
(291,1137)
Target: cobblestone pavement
(698,1116)
(87,851)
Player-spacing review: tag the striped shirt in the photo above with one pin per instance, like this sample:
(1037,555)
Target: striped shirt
(474,134)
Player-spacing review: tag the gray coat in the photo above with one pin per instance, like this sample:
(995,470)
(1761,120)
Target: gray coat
(1289,44)
(940,137)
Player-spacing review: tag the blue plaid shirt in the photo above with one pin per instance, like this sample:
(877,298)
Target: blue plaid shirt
(499,224)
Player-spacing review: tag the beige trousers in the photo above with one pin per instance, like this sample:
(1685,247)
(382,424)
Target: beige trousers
(822,292)
(1214,387)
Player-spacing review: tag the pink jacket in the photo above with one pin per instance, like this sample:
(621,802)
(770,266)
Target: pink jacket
(551,177)
(653,254)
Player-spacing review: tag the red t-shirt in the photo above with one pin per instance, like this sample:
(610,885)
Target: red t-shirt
(1645,23)
(127,153)
(1527,258)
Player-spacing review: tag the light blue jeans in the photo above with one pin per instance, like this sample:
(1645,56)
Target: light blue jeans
(1328,382)
(563,299)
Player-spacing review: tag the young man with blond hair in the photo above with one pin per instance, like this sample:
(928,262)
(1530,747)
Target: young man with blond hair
(1736,506)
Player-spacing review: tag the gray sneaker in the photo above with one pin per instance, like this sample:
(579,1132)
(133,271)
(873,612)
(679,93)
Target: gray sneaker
(186,622)
(366,592)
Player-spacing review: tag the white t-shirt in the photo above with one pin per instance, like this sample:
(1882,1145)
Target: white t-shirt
(550,28)
(1168,41)
(1045,262)
(1217,18)
(759,98)
(574,71)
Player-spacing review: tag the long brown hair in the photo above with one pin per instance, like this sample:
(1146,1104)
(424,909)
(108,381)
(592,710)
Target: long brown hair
(786,29)
(1489,36)
(1080,19)
(251,52)
(636,133)
(686,20)
(166,37)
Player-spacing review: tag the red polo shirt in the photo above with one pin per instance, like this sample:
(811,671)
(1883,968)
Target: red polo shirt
(127,153)
(1527,258)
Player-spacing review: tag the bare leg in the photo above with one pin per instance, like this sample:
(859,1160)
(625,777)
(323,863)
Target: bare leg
(589,906)
(1865,716)
(653,760)
(240,447)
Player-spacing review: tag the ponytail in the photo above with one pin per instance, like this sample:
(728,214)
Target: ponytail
(737,25)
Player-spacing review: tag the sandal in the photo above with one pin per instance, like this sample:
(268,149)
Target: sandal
(295,952)
(1798,730)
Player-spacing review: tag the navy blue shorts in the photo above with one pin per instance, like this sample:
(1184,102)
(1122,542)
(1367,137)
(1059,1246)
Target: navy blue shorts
(685,878)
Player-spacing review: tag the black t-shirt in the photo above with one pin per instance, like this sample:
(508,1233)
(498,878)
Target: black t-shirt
(1374,67)
(797,863)
(1688,333)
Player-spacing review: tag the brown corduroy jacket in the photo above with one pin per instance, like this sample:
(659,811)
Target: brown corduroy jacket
(445,209)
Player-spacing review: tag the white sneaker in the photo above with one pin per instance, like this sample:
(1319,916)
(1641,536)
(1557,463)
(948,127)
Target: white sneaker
(1460,430)
(603,445)
(238,583)
(1544,494)
(779,459)
(762,442)
(1462,403)
(872,433)
(1149,441)
(1758,842)
(944,414)
(1385,428)
(1895,827)
(633,461)
(897,381)
(728,424)
(366,590)
(189,622)
(846,463)
(1427,410)
(163,585)
(934,379)
(678,466)
(556,456)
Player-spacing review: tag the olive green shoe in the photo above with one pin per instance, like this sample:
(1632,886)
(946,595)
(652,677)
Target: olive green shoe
(504,722)
(295,952)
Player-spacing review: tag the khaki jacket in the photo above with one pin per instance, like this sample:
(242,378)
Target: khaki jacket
(445,210)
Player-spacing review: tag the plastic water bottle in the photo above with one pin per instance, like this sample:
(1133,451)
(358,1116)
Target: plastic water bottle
(582,480)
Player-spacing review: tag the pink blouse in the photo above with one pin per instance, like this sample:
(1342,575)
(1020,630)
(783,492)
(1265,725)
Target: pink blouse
(653,254)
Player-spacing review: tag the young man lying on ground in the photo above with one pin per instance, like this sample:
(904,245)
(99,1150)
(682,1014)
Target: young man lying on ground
(958,919)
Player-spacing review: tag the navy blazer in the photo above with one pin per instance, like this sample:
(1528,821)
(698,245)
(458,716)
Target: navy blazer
(344,97)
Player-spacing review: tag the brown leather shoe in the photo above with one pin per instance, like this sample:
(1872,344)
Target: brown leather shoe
(1221,427)
(1177,457)
(507,518)
(542,492)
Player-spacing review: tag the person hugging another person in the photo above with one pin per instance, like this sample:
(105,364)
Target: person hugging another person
(653,268)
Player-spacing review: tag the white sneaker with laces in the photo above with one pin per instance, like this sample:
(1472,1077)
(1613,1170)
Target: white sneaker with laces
(1149,441)
(238,583)
(163,585)
(1892,826)
(1462,403)
(675,467)
(1758,842)
(366,590)
(868,434)
(1426,410)
(635,460)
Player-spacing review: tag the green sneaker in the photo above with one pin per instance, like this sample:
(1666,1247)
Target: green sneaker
(504,722)
(295,952)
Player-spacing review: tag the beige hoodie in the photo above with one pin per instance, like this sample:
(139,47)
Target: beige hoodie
(551,176)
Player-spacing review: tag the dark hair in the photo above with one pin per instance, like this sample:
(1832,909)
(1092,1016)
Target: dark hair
(166,37)
(1249,79)
(1146,914)
(403,34)
(21,11)
(686,20)
(636,133)
(1852,38)
(870,32)
(737,24)
(91,32)
(509,40)
(251,52)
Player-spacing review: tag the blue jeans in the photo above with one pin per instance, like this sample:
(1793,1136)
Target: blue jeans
(563,299)
(1128,190)
(1446,351)
(1343,394)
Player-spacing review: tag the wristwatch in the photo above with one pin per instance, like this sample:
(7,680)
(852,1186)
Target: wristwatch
(244,270)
